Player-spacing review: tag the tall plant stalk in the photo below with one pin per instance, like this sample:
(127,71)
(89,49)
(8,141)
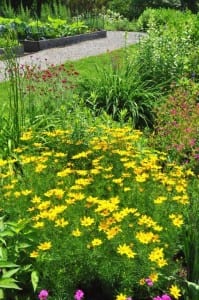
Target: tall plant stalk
(16,105)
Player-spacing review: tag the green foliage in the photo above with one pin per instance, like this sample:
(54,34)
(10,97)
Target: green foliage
(119,91)
(115,21)
(11,246)
(163,55)
(190,248)
(121,7)
(156,18)
(7,10)
(15,123)
(52,28)
(23,13)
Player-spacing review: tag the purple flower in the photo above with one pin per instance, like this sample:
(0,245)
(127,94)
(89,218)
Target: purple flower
(166,297)
(129,298)
(79,294)
(43,295)
(163,297)
(149,282)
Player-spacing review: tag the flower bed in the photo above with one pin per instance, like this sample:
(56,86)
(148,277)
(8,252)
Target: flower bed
(33,46)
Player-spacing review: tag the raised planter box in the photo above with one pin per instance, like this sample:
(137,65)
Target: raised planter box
(34,46)
(17,50)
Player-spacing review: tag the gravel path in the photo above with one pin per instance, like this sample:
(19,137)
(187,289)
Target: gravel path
(114,40)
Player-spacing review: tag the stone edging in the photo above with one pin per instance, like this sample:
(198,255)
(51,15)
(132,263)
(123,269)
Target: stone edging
(34,46)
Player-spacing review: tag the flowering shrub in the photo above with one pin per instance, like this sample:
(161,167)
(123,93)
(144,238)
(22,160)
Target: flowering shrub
(103,206)
(176,126)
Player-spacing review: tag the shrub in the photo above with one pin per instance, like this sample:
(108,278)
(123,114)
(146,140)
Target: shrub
(163,55)
(176,124)
(162,17)
(120,92)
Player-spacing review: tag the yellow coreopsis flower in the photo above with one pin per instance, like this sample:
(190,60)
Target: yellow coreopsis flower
(96,242)
(121,297)
(39,168)
(61,223)
(87,221)
(38,225)
(177,220)
(34,254)
(26,136)
(45,246)
(154,277)
(175,291)
(76,232)
(126,250)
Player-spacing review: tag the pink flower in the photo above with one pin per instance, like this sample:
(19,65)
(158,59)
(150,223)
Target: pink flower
(149,282)
(166,297)
(79,294)
(163,297)
(43,295)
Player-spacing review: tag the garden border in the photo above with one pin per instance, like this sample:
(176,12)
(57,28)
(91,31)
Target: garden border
(34,46)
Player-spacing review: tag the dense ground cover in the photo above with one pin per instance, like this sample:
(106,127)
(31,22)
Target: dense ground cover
(99,176)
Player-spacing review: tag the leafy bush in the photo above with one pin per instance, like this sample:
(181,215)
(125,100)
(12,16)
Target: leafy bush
(116,21)
(120,92)
(163,55)
(151,18)
(176,125)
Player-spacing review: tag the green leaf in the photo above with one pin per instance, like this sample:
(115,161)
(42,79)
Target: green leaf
(193,285)
(7,264)
(9,283)
(3,253)
(1,294)
(9,273)
(34,279)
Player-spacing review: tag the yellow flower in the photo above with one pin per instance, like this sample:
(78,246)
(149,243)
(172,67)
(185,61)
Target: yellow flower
(142,281)
(34,254)
(36,199)
(121,297)
(96,242)
(58,193)
(44,246)
(61,223)
(126,250)
(177,220)
(26,136)
(64,172)
(147,237)
(38,225)
(175,291)
(87,221)
(76,232)
(26,192)
(160,200)
(154,277)
(39,168)
(157,256)
(82,155)
(17,194)
(111,232)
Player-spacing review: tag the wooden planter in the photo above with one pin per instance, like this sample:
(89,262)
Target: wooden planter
(34,46)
